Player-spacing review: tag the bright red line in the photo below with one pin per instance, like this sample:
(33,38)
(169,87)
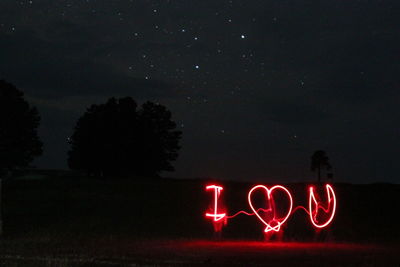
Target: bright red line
(247,213)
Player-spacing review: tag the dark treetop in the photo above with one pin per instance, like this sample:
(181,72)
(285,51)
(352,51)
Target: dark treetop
(116,139)
(19,142)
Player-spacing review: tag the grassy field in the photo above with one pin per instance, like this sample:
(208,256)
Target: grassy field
(76,221)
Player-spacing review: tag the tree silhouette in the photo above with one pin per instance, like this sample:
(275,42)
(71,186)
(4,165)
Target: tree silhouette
(117,139)
(320,160)
(19,141)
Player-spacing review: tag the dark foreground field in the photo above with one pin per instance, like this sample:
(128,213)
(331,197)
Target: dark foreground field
(61,221)
(122,252)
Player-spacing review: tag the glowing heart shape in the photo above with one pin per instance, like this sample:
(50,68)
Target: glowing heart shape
(269,191)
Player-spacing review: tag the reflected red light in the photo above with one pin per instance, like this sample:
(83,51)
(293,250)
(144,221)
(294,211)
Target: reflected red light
(313,202)
(271,204)
(217,191)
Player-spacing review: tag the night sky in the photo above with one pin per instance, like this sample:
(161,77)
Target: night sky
(255,86)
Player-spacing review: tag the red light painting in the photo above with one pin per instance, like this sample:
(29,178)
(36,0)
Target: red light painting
(320,215)
(219,219)
(314,206)
(272,207)
(217,191)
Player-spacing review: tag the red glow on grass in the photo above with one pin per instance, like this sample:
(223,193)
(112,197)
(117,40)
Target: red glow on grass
(245,245)
(315,205)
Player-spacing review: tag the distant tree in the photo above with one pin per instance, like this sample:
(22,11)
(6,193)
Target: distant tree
(19,141)
(320,160)
(116,138)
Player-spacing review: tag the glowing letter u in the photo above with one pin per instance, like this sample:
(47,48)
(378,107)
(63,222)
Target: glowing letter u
(313,202)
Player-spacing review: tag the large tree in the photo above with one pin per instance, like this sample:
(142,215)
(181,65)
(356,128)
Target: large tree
(19,141)
(117,138)
(319,161)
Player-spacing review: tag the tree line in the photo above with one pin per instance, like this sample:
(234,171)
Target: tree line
(116,138)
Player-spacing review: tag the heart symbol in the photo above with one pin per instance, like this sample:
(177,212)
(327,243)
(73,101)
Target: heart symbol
(278,221)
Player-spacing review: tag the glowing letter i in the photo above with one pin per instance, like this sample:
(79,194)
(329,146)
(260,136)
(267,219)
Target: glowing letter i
(217,191)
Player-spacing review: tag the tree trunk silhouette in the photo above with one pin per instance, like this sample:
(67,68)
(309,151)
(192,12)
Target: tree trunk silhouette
(319,161)
(319,174)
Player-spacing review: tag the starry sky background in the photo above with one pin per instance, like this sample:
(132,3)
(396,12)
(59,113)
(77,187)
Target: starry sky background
(256,86)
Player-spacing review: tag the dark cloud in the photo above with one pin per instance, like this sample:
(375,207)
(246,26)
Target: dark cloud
(63,32)
(295,113)
(54,68)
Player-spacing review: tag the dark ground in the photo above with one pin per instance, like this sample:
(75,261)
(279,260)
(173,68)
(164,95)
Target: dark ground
(76,221)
